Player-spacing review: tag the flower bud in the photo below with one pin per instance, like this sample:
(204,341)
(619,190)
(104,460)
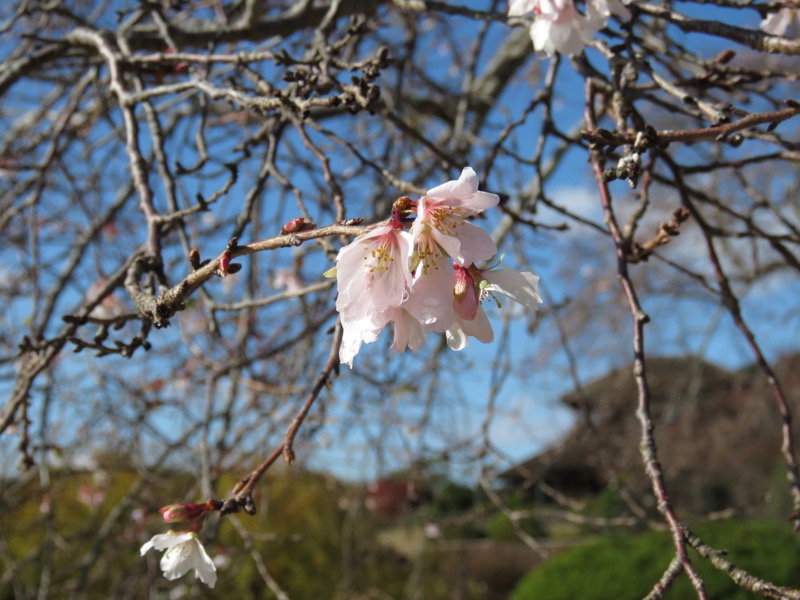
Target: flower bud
(296,225)
(224,263)
(226,267)
(181,513)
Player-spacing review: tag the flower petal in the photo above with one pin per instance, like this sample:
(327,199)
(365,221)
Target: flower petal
(456,338)
(517,8)
(463,187)
(176,561)
(373,271)
(522,287)
(162,541)
(463,192)
(431,298)
(471,245)
(408,332)
(359,329)
(480,328)
(184,551)
(204,568)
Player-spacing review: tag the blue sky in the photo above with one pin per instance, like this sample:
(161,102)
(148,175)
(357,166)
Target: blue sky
(572,265)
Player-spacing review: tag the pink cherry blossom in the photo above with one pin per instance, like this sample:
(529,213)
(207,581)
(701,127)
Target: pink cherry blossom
(408,332)
(374,278)
(441,223)
(519,8)
(373,273)
(463,193)
(441,232)
(558,27)
(426,280)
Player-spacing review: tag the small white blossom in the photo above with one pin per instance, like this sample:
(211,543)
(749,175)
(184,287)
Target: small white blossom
(183,552)
(558,27)
(777,23)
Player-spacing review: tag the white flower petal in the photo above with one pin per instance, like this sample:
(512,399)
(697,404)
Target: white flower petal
(522,287)
(463,187)
(456,338)
(359,329)
(408,332)
(474,245)
(558,27)
(431,298)
(517,8)
(778,22)
(463,193)
(162,541)
(204,568)
(177,560)
(480,328)
(184,552)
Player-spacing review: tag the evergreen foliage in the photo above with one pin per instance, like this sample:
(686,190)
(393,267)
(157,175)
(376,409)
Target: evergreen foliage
(626,567)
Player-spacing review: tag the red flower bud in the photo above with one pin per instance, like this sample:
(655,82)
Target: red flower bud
(226,267)
(181,513)
(296,225)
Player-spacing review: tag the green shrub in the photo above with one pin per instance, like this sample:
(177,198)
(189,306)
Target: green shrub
(500,528)
(452,498)
(621,567)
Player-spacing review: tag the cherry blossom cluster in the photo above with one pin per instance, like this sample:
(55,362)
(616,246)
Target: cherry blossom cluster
(183,550)
(425,279)
(558,27)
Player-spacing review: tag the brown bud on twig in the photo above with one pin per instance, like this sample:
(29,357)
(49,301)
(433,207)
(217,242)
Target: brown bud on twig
(666,231)
(724,57)
(194,259)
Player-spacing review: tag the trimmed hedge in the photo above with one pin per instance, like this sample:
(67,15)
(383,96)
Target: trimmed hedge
(627,566)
